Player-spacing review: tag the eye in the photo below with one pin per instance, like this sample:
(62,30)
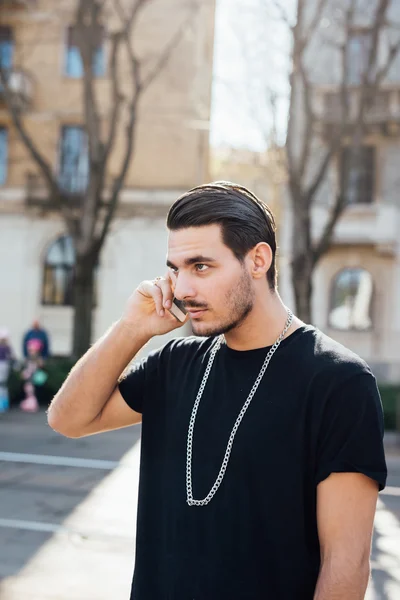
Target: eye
(200,267)
(173,269)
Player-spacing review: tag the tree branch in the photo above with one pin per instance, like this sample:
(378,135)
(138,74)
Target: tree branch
(383,71)
(44,166)
(336,141)
(88,27)
(118,181)
(129,19)
(116,99)
(309,121)
(128,24)
(315,22)
(283,15)
(326,237)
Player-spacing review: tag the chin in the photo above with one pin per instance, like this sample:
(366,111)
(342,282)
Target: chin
(207,329)
(203,329)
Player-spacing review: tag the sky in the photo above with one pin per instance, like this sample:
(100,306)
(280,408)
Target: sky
(250,57)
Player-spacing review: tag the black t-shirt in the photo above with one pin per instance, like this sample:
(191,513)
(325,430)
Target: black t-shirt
(317,411)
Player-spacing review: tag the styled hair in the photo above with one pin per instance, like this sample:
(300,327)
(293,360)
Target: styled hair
(244,219)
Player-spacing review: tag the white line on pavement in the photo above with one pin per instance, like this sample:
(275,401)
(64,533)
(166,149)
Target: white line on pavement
(55,528)
(391,491)
(61,461)
(30,525)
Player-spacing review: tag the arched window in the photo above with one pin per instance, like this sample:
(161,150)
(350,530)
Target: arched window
(351,300)
(58,273)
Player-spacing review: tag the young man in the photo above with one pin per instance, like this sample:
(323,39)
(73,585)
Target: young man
(262,448)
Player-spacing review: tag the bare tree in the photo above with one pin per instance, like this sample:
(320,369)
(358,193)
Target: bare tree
(307,169)
(307,31)
(88,215)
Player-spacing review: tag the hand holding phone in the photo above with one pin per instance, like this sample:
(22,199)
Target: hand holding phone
(153,309)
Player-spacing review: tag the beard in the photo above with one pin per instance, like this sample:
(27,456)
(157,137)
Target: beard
(239,302)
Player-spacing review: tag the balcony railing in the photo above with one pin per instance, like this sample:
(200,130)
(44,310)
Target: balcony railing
(37,194)
(384,109)
(20,86)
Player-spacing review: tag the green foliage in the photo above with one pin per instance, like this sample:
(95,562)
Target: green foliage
(390,395)
(57,369)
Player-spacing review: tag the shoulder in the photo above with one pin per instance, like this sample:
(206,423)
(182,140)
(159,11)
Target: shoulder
(184,349)
(328,359)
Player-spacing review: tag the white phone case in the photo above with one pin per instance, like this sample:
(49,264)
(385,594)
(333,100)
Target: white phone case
(177,309)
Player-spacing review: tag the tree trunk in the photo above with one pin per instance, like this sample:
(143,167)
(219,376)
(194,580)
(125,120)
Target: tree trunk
(84,296)
(302,288)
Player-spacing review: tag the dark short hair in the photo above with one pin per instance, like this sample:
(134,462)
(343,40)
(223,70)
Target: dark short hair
(244,219)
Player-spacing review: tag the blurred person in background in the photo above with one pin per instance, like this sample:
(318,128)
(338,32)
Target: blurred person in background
(36,332)
(262,438)
(33,375)
(6,360)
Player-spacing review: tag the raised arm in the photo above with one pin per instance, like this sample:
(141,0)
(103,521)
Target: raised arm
(89,400)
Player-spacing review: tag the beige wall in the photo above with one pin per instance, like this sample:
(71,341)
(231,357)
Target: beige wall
(379,346)
(172,135)
(135,250)
(367,235)
(171,156)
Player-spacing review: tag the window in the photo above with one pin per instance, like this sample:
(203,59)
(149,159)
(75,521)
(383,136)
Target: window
(6,48)
(73,60)
(58,274)
(358,55)
(358,174)
(74,162)
(351,300)
(3,155)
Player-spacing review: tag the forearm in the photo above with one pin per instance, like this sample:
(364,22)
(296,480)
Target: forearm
(342,582)
(93,379)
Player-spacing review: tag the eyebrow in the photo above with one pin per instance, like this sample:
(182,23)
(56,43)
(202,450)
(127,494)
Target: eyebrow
(193,260)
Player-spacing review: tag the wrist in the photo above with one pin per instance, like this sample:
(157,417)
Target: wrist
(133,329)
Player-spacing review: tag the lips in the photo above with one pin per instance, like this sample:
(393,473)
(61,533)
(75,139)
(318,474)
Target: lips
(196,312)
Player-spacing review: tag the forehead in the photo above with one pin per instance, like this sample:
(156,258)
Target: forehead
(197,241)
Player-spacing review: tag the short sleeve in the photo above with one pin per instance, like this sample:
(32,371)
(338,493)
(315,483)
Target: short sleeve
(351,433)
(132,386)
(144,377)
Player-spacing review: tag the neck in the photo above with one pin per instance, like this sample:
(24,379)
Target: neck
(263,325)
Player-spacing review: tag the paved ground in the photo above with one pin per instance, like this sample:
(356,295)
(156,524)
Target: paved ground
(68,510)
(66,528)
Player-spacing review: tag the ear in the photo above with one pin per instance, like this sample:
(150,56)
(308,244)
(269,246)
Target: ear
(261,260)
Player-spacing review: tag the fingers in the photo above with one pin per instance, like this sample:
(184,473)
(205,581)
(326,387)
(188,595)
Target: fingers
(156,293)
(164,285)
(161,292)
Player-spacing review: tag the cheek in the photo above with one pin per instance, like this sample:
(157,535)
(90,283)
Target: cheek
(219,294)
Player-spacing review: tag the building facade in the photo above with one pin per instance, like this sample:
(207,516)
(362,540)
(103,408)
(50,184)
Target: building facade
(356,297)
(38,50)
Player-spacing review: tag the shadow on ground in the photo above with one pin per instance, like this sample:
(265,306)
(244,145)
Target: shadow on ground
(38,496)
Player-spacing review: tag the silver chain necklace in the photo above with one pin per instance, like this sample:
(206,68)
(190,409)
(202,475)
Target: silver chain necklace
(189,492)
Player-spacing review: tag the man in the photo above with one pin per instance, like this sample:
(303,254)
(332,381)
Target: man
(262,449)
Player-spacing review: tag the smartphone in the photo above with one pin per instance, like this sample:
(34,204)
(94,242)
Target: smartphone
(178,310)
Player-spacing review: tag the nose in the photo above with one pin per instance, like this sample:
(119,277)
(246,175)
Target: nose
(183,288)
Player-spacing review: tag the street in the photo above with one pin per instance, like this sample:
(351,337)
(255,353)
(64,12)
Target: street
(68,512)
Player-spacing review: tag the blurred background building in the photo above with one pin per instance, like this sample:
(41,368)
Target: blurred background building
(39,51)
(356,283)
(356,297)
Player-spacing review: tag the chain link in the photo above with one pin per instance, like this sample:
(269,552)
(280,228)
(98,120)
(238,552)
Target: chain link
(189,492)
